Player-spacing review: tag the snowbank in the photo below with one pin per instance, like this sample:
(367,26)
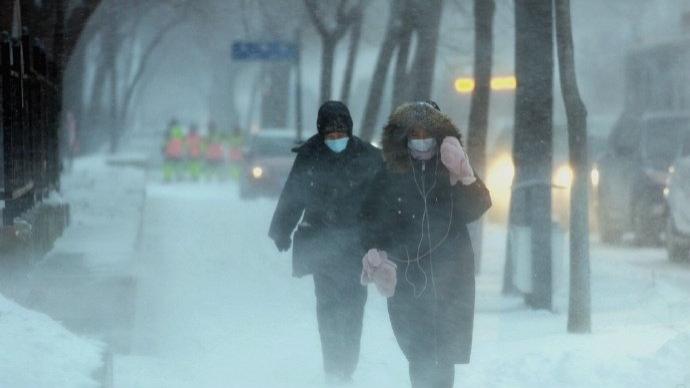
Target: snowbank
(38,352)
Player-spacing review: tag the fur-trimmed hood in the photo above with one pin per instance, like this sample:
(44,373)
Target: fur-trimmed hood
(402,121)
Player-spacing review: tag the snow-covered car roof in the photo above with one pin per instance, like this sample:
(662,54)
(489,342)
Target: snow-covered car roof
(276,133)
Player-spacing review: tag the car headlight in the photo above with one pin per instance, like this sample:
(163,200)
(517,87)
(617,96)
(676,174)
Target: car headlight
(501,173)
(564,177)
(594,176)
(257,172)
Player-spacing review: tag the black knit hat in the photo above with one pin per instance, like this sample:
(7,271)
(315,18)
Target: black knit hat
(334,117)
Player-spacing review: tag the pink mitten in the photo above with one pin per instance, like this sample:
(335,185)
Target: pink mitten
(385,278)
(456,161)
(378,269)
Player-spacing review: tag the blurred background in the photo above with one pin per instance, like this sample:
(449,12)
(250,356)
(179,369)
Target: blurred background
(145,143)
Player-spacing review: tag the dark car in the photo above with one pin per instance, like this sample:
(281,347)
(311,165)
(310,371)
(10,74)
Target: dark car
(633,173)
(268,158)
(678,200)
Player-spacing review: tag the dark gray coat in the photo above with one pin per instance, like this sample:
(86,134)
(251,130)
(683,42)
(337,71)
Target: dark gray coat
(328,189)
(432,311)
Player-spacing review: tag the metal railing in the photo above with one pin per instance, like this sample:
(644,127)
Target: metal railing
(29,108)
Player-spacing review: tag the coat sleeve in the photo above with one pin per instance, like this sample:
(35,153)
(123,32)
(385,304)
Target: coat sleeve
(291,203)
(472,201)
(373,231)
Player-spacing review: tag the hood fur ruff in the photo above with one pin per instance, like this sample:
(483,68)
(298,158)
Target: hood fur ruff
(402,121)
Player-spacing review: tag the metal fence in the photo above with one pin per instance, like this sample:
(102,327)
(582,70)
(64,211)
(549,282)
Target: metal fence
(29,107)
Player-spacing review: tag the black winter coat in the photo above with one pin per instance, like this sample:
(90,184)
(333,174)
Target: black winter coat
(432,310)
(326,190)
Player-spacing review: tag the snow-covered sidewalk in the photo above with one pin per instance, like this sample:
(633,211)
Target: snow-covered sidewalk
(217,308)
(38,350)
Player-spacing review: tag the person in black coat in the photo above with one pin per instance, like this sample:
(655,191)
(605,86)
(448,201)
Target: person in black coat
(325,189)
(416,212)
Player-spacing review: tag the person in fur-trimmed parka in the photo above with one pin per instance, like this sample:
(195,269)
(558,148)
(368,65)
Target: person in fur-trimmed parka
(415,214)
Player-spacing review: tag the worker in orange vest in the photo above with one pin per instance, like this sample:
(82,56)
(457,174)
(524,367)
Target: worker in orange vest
(215,153)
(194,147)
(173,152)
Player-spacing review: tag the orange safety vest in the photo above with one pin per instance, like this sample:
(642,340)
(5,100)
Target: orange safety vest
(194,146)
(215,152)
(173,150)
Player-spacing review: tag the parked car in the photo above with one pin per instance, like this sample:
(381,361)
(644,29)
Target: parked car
(678,201)
(268,158)
(632,175)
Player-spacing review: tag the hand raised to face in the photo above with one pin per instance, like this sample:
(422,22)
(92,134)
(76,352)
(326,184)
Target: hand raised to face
(456,161)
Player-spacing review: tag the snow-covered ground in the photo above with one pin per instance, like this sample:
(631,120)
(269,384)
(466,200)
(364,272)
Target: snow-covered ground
(216,305)
(218,308)
(38,352)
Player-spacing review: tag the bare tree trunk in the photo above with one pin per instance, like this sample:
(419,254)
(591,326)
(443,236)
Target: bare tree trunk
(402,74)
(76,23)
(479,106)
(330,38)
(352,52)
(145,61)
(327,58)
(532,145)
(378,83)
(579,308)
(428,23)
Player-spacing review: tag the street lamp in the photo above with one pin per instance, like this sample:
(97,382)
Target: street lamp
(465,85)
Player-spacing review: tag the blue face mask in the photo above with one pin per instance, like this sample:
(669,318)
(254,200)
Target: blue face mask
(422,149)
(337,145)
(422,145)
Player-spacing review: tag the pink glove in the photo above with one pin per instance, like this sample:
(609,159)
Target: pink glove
(456,161)
(378,269)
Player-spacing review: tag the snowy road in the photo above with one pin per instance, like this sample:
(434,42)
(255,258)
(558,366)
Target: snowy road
(217,308)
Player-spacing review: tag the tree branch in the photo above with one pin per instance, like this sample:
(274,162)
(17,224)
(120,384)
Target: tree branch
(320,25)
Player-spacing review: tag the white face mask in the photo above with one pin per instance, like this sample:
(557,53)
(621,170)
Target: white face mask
(422,145)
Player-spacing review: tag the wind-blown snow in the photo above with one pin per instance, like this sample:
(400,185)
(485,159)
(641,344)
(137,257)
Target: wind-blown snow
(217,306)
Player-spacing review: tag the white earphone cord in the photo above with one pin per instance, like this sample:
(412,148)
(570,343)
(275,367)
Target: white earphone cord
(426,223)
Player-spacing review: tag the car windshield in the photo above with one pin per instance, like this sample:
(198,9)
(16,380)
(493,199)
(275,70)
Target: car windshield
(272,146)
(663,140)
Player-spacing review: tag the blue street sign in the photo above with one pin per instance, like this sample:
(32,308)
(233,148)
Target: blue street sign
(264,51)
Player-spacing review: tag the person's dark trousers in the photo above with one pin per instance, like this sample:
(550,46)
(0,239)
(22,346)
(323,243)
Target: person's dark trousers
(340,300)
(428,374)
